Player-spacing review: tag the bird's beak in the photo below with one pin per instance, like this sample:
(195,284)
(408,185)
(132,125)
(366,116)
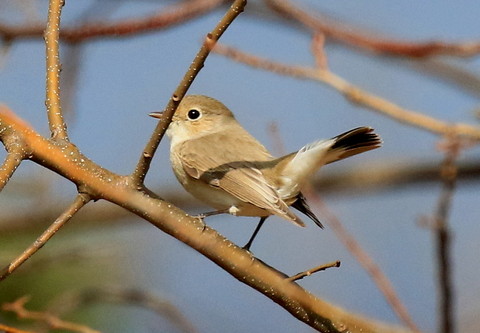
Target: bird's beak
(157,115)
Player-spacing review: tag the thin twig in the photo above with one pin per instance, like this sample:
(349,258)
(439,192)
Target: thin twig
(74,207)
(448,174)
(352,36)
(18,307)
(167,17)
(58,128)
(12,161)
(354,94)
(314,270)
(198,62)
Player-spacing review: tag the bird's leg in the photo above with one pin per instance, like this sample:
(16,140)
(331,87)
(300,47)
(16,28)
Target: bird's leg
(257,229)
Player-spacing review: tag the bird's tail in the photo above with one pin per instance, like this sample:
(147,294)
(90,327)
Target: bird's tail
(296,168)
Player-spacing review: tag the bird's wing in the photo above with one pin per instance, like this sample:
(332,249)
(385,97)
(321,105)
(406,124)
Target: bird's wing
(227,169)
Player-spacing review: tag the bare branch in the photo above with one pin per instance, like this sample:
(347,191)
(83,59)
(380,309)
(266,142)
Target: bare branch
(198,62)
(314,270)
(57,125)
(78,203)
(354,94)
(352,36)
(166,18)
(18,307)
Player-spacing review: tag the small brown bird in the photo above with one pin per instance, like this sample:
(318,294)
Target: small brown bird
(220,163)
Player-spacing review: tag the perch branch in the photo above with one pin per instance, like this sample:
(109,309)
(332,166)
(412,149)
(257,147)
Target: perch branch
(103,184)
(18,307)
(352,36)
(198,62)
(78,203)
(57,125)
(354,94)
(168,17)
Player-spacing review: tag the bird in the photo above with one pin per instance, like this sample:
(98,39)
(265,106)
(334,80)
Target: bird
(217,161)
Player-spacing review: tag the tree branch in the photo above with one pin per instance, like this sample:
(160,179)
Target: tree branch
(78,203)
(166,18)
(198,62)
(352,36)
(57,125)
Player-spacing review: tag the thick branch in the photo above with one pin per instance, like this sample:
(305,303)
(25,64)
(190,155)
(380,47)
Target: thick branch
(78,203)
(58,128)
(168,17)
(198,62)
(191,231)
(354,94)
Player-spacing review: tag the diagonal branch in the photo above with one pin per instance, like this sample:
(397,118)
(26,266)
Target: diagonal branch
(57,125)
(74,207)
(198,62)
(352,36)
(354,94)
(241,264)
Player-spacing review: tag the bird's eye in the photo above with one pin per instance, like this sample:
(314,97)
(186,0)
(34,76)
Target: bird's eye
(194,114)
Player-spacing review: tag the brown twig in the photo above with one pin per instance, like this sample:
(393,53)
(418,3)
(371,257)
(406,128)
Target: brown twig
(442,230)
(314,270)
(318,51)
(18,307)
(8,329)
(78,203)
(143,164)
(168,17)
(354,94)
(58,128)
(352,36)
